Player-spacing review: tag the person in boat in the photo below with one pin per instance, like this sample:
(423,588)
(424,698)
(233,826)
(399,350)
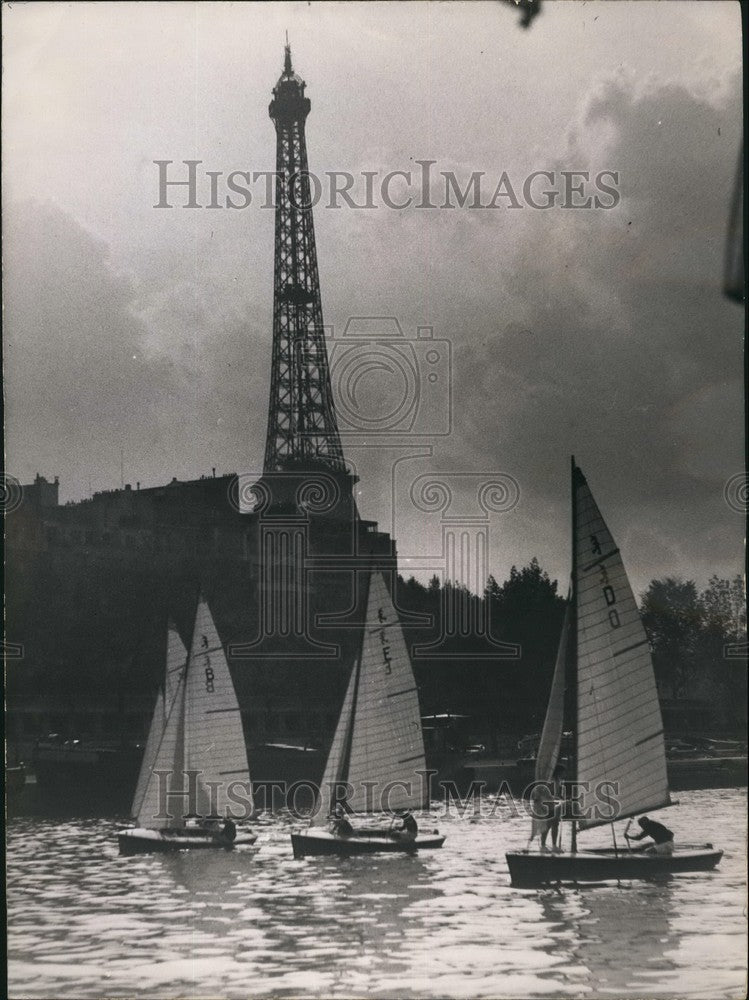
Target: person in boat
(662,837)
(408,828)
(228,832)
(546,808)
(341,826)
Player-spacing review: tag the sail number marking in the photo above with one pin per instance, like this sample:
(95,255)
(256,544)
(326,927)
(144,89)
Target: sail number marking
(608,591)
(385,644)
(210,677)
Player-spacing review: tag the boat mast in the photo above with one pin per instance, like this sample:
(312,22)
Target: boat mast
(572,657)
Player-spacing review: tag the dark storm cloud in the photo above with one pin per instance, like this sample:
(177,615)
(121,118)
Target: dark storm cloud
(78,382)
(624,351)
(83,379)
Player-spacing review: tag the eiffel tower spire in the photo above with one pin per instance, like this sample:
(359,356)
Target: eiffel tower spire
(302,427)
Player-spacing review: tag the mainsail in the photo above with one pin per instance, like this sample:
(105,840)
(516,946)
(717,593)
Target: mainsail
(202,733)
(176,658)
(378,746)
(214,738)
(551,736)
(158,721)
(156,811)
(176,661)
(619,725)
(337,765)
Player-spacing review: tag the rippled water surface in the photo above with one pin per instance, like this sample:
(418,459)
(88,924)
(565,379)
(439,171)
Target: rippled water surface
(84,922)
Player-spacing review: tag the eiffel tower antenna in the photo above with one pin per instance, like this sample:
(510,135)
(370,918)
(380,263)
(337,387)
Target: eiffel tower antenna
(302,426)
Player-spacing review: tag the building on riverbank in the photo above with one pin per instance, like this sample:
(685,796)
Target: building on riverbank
(92,584)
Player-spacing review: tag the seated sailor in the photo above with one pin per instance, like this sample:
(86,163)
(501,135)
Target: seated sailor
(662,837)
(408,828)
(228,832)
(340,825)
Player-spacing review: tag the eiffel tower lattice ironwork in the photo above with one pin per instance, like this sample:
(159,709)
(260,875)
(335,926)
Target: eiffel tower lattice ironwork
(302,426)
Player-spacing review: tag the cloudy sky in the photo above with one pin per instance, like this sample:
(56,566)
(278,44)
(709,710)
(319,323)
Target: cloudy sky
(146,333)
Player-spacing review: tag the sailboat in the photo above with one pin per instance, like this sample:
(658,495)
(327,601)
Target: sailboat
(619,761)
(194,772)
(378,746)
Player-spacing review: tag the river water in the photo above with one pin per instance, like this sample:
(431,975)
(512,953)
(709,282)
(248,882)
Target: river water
(84,922)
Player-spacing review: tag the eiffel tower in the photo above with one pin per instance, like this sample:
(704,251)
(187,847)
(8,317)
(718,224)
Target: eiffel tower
(313,549)
(302,427)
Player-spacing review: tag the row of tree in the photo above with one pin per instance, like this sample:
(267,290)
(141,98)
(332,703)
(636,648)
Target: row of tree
(699,644)
(491,656)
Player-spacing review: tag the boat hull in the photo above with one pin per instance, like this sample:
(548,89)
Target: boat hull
(15,781)
(315,842)
(143,841)
(531,869)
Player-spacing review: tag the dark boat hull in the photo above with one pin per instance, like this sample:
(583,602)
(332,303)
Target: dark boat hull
(321,842)
(15,781)
(142,841)
(531,869)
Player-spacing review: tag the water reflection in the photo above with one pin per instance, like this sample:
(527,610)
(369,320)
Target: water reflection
(358,907)
(618,935)
(85,922)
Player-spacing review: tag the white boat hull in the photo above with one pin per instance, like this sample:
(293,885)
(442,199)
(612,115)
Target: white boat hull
(140,840)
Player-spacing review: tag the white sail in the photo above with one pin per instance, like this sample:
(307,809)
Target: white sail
(159,810)
(619,724)
(176,657)
(214,737)
(378,746)
(387,744)
(149,754)
(176,660)
(335,767)
(551,736)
